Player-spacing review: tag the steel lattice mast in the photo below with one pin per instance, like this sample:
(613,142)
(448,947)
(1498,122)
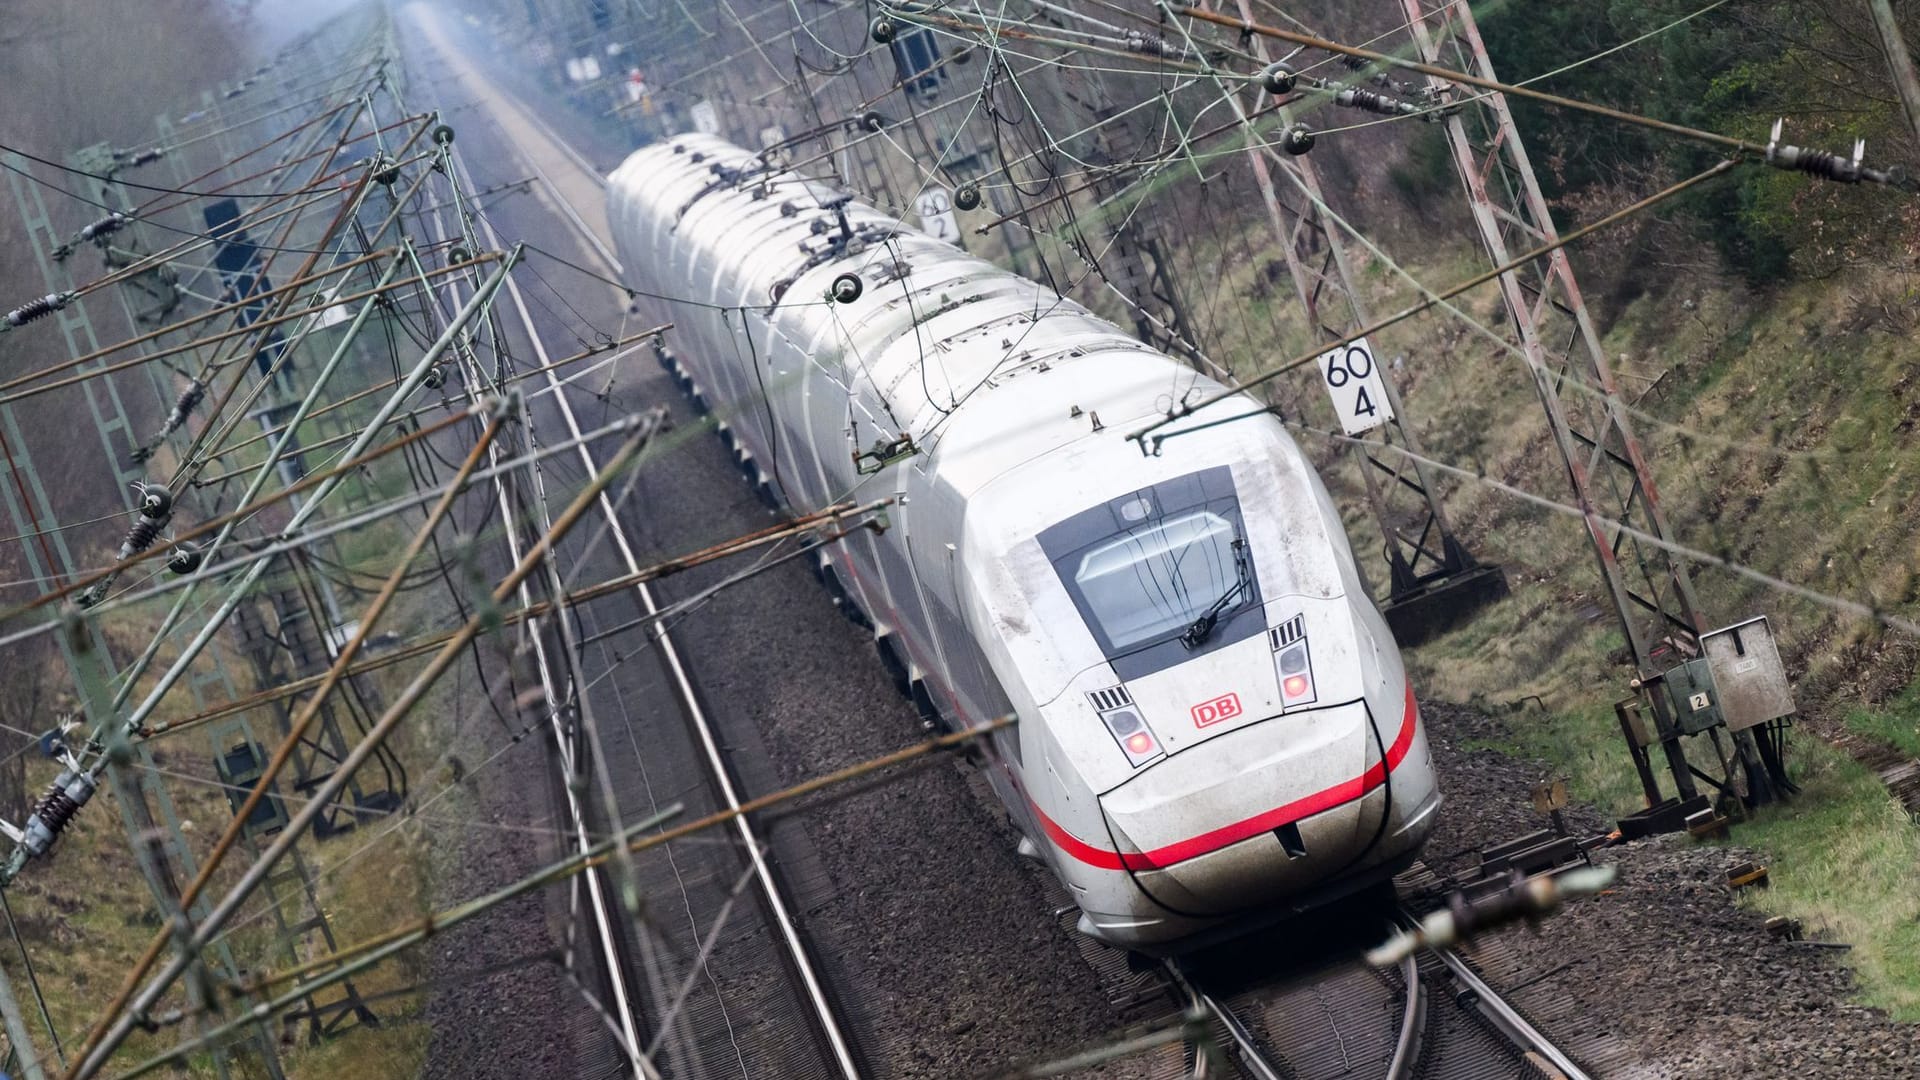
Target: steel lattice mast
(1649,586)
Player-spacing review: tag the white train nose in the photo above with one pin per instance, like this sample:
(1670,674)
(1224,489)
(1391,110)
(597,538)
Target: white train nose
(1287,804)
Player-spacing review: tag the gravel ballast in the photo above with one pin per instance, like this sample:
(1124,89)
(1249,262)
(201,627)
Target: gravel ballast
(1687,980)
(943,946)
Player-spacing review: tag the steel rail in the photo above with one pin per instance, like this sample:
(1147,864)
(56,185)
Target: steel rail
(1413,1024)
(752,845)
(557,719)
(362,955)
(1252,1057)
(368,955)
(837,515)
(622,1011)
(1504,1016)
(629,836)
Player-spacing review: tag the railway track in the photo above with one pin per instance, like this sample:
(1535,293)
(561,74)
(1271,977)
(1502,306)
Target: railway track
(772,895)
(835,1046)
(1434,1016)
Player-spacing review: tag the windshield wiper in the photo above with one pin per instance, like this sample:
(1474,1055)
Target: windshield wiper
(1197,634)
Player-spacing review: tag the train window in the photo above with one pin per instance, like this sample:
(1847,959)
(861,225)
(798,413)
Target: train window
(1163,577)
(1161,573)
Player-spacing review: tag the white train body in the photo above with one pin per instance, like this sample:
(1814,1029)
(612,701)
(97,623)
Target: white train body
(1182,785)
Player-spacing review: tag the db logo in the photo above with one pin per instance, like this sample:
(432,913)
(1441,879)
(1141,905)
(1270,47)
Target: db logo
(1224,707)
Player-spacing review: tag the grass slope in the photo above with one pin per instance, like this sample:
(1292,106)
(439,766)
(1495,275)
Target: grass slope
(1781,430)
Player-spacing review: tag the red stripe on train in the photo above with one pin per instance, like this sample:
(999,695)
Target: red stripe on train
(1193,847)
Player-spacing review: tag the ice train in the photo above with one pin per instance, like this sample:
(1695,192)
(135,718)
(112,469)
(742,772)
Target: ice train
(1215,727)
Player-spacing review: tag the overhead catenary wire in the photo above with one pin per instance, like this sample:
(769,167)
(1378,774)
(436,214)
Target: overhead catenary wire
(300,724)
(641,836)
(1185,147)
(612,346)
(417,376)
(1871,612)
(608,587)
(264,246)
(1712,138)
(195,234)
(225,520)
(117,1020)
(1150,442)
(11,387)
(1579,384)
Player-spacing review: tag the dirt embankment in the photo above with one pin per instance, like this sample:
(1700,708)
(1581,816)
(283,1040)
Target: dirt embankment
(1687,980)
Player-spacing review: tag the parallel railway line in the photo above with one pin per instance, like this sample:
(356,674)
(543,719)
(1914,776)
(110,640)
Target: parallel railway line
(1464,1032)
(1433,1016)
(895,926)
(836,1046)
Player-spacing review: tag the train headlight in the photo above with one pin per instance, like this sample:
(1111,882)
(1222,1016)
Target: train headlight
(1131,733)
(1292,661)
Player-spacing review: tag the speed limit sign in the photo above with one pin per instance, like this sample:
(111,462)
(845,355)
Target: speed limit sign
(1354,383)
(935,207)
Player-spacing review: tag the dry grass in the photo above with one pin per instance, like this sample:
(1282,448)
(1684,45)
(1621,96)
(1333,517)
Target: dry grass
(1782,435)
(87,912)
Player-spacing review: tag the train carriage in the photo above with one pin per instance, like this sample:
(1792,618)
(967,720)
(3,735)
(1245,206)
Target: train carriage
(1215,726)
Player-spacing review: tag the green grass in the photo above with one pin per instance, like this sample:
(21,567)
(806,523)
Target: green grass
(1782,434)
(393,1050)
(1843,857)
(1896,723)
(1845,860)
(1584,744)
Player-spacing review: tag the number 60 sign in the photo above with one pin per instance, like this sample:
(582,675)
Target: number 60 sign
(1354,384)
(935,207)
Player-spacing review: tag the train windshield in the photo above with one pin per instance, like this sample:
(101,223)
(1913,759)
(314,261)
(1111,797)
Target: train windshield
(1159,573)
(1143,584)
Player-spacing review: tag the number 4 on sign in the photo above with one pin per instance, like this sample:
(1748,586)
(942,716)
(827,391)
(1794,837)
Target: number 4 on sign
(1354,383)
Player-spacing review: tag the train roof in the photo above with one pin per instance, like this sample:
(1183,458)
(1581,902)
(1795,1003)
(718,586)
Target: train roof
(983,368)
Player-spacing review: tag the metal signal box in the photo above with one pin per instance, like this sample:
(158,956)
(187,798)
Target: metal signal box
(1691,694)
(1748,672)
